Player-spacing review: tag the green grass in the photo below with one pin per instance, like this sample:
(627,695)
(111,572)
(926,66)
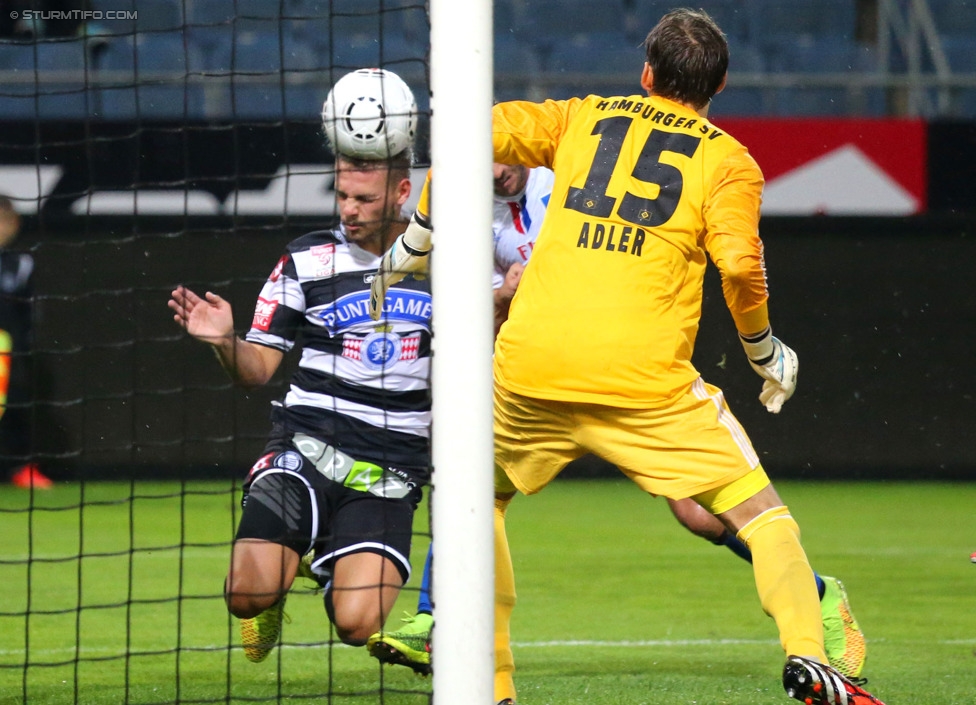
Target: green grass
(617,603)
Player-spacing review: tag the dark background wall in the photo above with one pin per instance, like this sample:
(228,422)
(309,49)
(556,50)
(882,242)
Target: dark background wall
(881,312)
(119,388)
(883,318)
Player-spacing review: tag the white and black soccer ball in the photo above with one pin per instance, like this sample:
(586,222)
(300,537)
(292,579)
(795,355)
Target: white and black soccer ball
(370,114)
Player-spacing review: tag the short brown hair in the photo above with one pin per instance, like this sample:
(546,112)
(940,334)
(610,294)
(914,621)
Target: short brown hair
(689,56)
(398,165)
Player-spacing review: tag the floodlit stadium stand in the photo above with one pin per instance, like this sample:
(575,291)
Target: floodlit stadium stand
(252,59)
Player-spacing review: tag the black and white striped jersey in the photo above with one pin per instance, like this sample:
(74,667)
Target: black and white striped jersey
(361,385)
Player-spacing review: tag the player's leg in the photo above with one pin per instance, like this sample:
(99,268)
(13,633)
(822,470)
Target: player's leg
(274,531)
(702,523)
(751,507)
(504,601)
(716,453)
(368,559)
(521,424)
(699,522)
(693,517)
(786,591)
(697,443)
(364,587)
(695,447)
(16,418)
(256,589)
(424,604)
(6,347)
(843,638)
(261,573)
(410,645)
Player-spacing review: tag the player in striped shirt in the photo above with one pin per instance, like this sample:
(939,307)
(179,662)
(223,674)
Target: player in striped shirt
(349,450)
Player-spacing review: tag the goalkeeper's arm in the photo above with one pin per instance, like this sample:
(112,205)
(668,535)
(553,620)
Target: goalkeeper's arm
(409,254)
(774,362)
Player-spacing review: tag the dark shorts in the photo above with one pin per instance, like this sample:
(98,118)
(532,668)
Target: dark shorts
(288,502)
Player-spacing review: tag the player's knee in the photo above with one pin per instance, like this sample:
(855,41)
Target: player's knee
(504,598)
(244,601)
(245,606)
(354,630)
(356,614)
(356,637)
(502,500)
(774,525)
(696,519)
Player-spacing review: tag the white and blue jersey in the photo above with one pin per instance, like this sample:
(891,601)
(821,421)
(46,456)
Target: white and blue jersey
(517,221)
(361,385)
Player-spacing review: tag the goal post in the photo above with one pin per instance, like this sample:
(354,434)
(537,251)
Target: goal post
(180,142)
(461,210)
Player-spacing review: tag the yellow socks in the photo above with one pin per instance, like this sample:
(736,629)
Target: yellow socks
(785,582)
(504,604)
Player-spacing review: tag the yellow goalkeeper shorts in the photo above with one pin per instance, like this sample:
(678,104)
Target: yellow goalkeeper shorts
(694,446)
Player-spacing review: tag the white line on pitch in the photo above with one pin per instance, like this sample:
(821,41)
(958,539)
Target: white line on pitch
(565,643)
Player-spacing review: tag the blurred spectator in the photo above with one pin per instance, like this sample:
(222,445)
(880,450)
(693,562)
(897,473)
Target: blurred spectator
(67,19)
(16,270)
(866,30)
(12,25)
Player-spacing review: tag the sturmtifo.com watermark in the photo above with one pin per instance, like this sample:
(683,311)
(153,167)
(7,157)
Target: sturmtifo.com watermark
(48,15)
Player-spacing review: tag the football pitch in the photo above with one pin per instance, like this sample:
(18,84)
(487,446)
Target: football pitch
(617,602)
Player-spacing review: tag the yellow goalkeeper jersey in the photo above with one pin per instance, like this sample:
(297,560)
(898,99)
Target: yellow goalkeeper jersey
(608,307)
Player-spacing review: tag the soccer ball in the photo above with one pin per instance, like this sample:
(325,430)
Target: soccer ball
(370,114)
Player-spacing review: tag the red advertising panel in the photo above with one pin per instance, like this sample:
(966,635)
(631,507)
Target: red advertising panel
(837,166)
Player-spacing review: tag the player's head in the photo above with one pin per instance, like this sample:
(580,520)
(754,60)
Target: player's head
(370,194)
(9,221)
(688,57)
(510,179)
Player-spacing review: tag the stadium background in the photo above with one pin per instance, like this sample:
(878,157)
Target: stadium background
(186,106)
(180,142)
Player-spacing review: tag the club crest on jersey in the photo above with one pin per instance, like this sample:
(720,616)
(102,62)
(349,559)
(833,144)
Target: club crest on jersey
(381,349)
(289,460)
(324,258)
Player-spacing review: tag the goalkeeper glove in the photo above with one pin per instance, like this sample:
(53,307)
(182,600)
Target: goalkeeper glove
(775,363)
(409,254)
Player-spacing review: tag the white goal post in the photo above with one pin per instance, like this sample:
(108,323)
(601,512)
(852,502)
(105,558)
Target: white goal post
(461,212)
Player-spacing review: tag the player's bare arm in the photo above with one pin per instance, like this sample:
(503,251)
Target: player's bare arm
(211,320)
(505,293)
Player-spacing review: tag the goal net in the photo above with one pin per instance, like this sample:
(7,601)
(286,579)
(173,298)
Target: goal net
(146,144)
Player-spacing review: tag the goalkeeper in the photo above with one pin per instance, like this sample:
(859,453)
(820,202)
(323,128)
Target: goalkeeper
(521,196)
(645,191)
